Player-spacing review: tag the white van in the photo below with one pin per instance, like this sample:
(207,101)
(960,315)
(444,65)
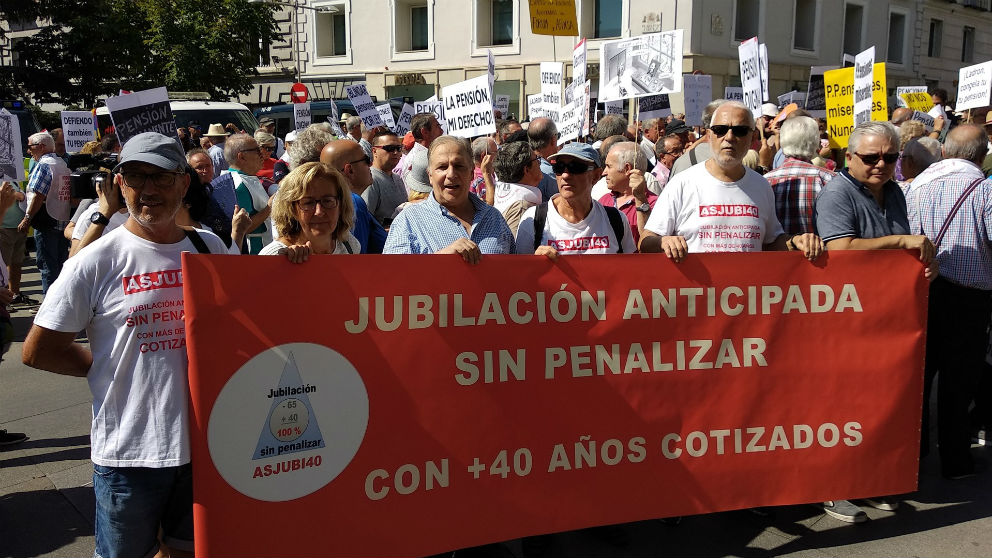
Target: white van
(202,113)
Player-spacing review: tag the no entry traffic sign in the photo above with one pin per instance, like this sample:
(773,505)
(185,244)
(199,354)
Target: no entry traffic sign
(298,93)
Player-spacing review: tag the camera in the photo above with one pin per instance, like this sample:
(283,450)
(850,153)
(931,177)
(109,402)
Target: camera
(88,173)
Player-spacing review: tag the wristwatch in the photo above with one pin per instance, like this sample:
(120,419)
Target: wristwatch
(99,219)
(644,207)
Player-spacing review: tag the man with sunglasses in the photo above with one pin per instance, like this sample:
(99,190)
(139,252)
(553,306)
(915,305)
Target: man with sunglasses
(387,190)
(126,290)
(48,207)
(350,160)
(720,205)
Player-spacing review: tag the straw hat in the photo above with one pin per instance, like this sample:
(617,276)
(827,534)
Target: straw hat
(216,130)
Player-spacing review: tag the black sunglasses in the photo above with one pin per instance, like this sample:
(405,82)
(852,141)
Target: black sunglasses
(389,148)
(872,160)
(739,131)
(573,167)
(364,159)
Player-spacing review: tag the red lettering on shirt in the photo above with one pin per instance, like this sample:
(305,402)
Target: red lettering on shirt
(154,280)
(729,210)
(583,243)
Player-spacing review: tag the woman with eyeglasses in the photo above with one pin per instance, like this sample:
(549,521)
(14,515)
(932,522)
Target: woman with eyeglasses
(267,145)
(312,213)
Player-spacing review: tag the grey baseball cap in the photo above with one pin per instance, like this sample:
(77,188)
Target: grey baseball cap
(579,150)
(416,178)
(155,149)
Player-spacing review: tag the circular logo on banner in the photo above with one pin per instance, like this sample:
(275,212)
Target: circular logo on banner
(288,422)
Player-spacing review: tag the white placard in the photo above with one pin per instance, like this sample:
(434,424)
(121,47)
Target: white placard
(613,107)
(697,93)
(333,120)
(926,119)
(77,129)
(570,122)
(973,86)
(763,63)
(142,111)
(908,89)
(734,94)
(360,98)
(534,107)
(864,75)
(302,116)
(588,107)
(640,66)
(552,77)
(797,97)
(554,113)
(403,124)
(750,64)
(11,150)
(579,62)
(491,70)
(433,106)
(468,106)
(386,114)
(501,105)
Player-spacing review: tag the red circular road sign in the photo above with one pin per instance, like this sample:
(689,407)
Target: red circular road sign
(298,93)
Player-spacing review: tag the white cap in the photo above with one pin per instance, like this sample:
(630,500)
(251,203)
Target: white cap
(291,136)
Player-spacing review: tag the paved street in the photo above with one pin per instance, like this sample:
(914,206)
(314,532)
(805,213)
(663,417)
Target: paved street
(46,497)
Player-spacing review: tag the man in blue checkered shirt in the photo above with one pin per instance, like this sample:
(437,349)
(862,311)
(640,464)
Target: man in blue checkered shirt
(48,207)
(961,298)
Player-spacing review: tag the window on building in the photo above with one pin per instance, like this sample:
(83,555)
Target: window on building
(16,60)
(853,20)
(968,45)
(936,37)
(804,25)
(332,34)
(747,14)
(607,18)
(262,54)
(412,25)
(897,38)
(495,22)
(418,28)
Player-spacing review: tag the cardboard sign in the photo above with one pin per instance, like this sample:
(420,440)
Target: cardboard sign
(839,90)
(78,128)
(552,78)
(927,120)
(334,120)
(816,97)
(792,97)
(433,106)
(491,69)
(579,56)
(911,89)
(521,383)
(302,117)
(734,93)
(697,93)
(501,105)
(386,114)
(403,124)
(468,106)
(553,17)
(974,86)
(864,64)
(919,101)
(763,64)
(142,111)
(11,150)
(750,66)
(640,66)
(613,107)
(362,101)
(588,108)
(657,106)
(534,106)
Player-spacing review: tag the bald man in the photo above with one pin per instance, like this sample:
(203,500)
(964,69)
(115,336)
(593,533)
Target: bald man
(901,115)
(349,158)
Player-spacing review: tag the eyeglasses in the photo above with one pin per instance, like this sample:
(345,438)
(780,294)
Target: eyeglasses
(573,167)
(389,148)
(30,145)
(739,131)
(365,159)
(160,179)
(310,204)
(874,158)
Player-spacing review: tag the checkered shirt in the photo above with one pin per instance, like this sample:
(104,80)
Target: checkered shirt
(796,185)
(427,227)
(40,180)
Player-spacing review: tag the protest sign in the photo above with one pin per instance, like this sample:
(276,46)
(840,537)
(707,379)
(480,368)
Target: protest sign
(553,17)
(763,64)
(974,83)
(571,121)
(11,150)
(386,114)
(655,106)
(613,107)
(927,120)
(588,107)
(697,91)
(302,116)
(501,105)
(750,66)
(797,97)
(734,93)
(433,106)
(919,100)
(816,98)
(78,128)
(142,111)
(534,105)
(554,113)
(491,69)
(864,69)
(552,78)
(334,120)
(579,62)
(362,101)
(643,65)
(839,91)
(403,124)
(468,106)
(517,384)
(900,91)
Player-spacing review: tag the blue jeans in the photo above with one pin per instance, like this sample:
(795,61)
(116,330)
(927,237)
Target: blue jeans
(53,250)
(133,502)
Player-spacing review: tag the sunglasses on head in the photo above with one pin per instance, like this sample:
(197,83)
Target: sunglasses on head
(573,167)
(872,160)
(739,131)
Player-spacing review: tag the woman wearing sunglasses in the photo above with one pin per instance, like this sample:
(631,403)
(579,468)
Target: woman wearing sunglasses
(312,212)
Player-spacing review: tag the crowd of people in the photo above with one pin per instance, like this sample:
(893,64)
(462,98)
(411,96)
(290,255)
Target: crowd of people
(736,184)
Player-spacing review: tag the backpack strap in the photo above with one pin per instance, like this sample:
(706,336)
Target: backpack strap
(347,247)
(197,241)
(616,221)
(540,218)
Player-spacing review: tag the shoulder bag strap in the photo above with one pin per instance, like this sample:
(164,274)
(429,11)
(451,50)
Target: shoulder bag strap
(954,210)
(540,217)
(197,241)
(617,223)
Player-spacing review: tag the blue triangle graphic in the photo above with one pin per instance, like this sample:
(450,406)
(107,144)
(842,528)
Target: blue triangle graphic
(291,426)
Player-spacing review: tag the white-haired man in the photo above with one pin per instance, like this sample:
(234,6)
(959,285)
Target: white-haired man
(797,181)
(48,207)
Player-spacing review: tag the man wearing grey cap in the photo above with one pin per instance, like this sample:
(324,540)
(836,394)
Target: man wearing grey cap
(126,290)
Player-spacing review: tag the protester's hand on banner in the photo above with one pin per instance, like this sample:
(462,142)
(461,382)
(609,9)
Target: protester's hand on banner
(297,253)
(809,244)
(468,250)
(675,247)
(921,243)
(547,251)
(931,271)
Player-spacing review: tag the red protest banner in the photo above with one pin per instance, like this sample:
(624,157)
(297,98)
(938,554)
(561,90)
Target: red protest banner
(408,405)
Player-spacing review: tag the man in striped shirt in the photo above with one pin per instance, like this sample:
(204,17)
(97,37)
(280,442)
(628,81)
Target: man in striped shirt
(951,202)
(797,182)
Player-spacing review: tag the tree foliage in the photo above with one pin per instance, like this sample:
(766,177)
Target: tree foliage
(93,48)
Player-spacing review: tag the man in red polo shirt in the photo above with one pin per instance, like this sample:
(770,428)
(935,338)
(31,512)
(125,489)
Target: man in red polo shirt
(624,173)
